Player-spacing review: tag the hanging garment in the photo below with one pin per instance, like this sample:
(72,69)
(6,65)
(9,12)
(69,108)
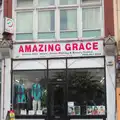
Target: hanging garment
(36,92)
(21,97)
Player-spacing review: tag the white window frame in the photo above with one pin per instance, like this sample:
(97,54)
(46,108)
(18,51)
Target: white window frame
(57,9)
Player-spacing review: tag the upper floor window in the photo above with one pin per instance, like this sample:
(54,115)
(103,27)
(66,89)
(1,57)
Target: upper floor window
(24,3)
(24,25)
(68,2)
(44,3)
(58,19)
(89,18)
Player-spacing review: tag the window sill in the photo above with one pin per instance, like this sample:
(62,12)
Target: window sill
(69,6)
(90,4)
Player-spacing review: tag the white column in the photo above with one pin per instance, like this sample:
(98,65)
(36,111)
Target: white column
(110,87)
(5,87)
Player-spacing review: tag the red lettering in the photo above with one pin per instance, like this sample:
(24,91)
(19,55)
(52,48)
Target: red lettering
(45,48)
(27,48)
(40,47)
(88,46)
(34,48)
(57,47)
(95,45)
(67,47)
(81,46)
(74,46)
(50,47)
(21,49)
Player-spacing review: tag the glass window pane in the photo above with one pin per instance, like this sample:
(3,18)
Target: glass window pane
(44,3)
(57,75)
(24,3)
(22,24)
(86,92)
(30,93)
(91,33)
(91,1)
(68,20)
(48,26)
(91,18)
(68,2)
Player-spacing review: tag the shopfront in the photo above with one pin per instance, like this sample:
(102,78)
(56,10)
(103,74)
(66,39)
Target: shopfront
(59,81)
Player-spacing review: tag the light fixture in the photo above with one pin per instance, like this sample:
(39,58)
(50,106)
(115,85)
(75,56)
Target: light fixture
(17,81)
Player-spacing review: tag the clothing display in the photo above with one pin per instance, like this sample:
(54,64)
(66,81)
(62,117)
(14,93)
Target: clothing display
(36,96)
(21,97)
(35,103)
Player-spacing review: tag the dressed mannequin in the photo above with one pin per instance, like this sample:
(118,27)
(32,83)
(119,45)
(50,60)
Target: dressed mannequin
(20,95)
(36,95)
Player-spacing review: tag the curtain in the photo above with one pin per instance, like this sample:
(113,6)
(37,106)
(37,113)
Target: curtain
(24,3)
(46,21)
(68,19)
(43,3)
(91,18)
(63,20)
(71,20)
(24,22)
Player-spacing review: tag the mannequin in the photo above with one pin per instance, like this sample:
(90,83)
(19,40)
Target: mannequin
(20,94)
(36,95)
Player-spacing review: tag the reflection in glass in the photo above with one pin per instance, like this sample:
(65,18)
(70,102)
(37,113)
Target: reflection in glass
(30,92)
(68,19)
(86,92)
(57,100)
(57,75)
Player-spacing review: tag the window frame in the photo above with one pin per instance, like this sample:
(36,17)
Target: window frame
(66,69)
(46,10)
(57,7)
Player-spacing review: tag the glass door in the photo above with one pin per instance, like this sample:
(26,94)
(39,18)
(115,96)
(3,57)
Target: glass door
(57,101)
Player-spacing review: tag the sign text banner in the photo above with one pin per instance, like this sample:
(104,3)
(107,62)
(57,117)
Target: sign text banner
(61,49)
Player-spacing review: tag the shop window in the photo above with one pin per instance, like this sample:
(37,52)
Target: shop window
(23,27)
(45,3)
(86,92)
(30,93)
(68,23)
(24,3)
(91,28)
(68,2)
(46,29)
(57,64)
(57,75)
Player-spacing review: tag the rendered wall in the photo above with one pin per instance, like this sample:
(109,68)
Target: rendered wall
(110,85)
(5,88)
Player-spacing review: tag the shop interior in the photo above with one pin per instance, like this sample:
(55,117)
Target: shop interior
(82,91)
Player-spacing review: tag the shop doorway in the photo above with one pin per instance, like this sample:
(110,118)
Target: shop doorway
(57,101)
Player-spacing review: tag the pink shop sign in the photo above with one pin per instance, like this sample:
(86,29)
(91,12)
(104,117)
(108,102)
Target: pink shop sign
(61,49)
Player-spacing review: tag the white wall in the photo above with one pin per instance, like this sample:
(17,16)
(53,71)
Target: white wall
(110,83)
(5,88)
